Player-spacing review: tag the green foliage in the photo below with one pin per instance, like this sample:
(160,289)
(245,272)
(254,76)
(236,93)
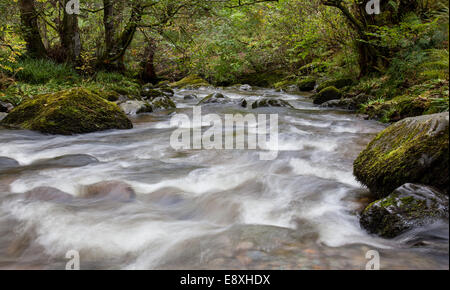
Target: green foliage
(41,71)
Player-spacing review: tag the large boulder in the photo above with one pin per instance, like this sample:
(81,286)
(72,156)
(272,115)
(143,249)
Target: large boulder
(407,207)
(327,94)
(190,82)
(68,112)
(414,150)
(307,85)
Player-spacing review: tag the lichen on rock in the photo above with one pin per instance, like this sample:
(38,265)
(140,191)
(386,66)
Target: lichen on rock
(68,112)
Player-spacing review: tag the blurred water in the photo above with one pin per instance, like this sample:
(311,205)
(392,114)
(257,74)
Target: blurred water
(204,209)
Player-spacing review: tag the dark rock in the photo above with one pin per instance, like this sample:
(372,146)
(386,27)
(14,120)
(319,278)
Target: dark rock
(271,103)
(66,161)
(5,107)
(327,94)
(307,85)
(214,98)
(190,97)
(414,150)
(408,207)
(110,190)
(244,103)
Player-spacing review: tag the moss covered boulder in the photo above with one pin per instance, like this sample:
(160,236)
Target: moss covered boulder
(414,150)
(307,85)
(337,83)
(190,82)
(68,112)
(327,94)
(407,207)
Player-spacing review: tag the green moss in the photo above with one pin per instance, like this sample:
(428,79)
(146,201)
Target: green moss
(307,84)
(414,150)
(327,94)
(68,112)
(338,83)
(192,81)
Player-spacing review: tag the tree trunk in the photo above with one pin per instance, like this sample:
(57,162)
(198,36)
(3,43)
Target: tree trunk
(113,56)
(70,36)
(148,74)
(108,22)
(30,29)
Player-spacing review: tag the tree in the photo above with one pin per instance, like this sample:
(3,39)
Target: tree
(30,29)
(70,36)
(370,57)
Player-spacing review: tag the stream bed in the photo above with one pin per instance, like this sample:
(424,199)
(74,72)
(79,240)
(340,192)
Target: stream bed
(202,209)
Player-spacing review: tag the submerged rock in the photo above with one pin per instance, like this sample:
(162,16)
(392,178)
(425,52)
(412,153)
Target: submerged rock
(327,94)
(407,207)
(66,161)
(271,103)
(7,163)
(48,194)
(110,190)
(414,150)
(68,112)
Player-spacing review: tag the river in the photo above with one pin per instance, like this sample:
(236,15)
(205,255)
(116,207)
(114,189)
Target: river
(203,209)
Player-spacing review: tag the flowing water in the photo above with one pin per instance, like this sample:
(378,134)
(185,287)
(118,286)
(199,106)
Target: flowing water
(202,209)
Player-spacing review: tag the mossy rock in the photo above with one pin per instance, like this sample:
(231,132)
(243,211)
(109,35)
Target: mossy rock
(214,98)
(68,112)
(192,81)
(312,67)
(149,94)
(414,150)
(163,103)
(307,85)
(408,207)
(271,103)
(327,94)
(338,83)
